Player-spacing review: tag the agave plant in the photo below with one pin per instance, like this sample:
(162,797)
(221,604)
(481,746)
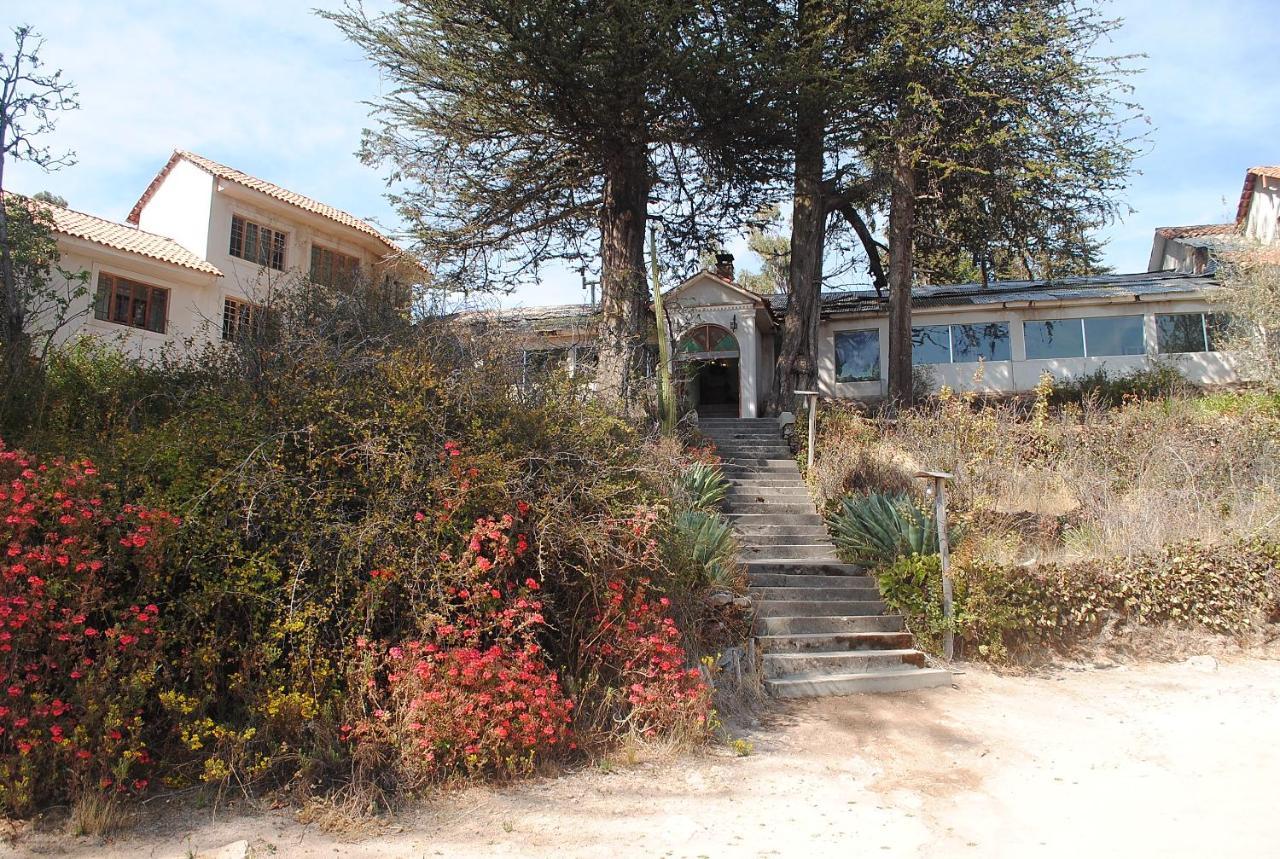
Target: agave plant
(702,548)
(702,486)
(881,527)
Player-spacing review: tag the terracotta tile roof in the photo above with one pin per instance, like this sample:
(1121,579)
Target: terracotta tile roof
(1195,231)
(1246,196)
(271,190)
(122,237)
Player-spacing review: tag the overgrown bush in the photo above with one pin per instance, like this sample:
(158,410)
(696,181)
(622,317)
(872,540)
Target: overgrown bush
(1004,612)
(355,489)
(1103,387)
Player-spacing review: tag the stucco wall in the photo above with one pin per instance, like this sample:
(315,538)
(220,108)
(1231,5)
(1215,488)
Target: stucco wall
(194,311)
(1263,222)
(180,208)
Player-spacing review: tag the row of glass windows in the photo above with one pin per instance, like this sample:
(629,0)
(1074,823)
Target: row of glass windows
(858,352)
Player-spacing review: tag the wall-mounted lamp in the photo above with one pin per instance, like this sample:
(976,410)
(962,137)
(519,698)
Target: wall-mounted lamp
(733,323)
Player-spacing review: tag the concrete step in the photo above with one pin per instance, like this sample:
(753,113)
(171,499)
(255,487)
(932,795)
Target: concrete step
(769,493)
(826,625)
(810,534)
(782,471)
(752,530)
(771,507)
(820,608)
(807,568)
(742,447)
(755,461)
(777,554)
(847,593)
(782,580)
(835,641)
(817,538)
(768,485)
(840,662)
(750,520)
(823,685)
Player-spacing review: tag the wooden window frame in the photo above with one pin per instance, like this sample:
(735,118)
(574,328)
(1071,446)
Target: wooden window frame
(279,243)
(248,317)
(110,291)
(333,277)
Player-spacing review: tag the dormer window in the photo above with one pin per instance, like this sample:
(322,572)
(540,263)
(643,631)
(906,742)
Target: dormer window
(332,268)
(256,243)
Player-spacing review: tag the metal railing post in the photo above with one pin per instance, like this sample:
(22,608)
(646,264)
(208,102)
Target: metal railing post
(811,398)
(939,479)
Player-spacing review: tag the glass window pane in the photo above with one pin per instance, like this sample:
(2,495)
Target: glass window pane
(931,344)
(986,341)
(158,310)
(1219,328)
(139,318)
(858,356)
(237,236)
(102,301)
(1180,332)
(1054,338)
(1114,335)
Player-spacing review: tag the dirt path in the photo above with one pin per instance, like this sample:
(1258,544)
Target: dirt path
(1144,760)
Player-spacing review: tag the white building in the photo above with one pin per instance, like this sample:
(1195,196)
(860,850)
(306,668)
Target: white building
(1191,249)
(204,246)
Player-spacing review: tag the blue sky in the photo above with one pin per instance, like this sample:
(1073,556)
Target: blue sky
(271,89)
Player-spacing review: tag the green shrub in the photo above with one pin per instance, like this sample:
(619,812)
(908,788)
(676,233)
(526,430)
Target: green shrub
(1159,381)
(701,486)
(879,528)
(1007,611)
(700,550)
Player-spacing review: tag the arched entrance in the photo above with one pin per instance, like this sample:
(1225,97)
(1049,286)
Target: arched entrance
(711,382)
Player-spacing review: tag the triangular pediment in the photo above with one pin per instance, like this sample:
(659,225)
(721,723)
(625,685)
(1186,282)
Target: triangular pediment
(706,289)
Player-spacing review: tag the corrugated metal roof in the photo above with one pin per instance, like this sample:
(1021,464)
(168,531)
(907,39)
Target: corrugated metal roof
(1063,289)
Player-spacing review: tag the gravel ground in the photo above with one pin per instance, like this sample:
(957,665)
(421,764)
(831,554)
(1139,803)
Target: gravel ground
(1138,760)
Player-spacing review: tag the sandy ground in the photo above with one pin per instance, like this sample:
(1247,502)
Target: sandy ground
(1140,760)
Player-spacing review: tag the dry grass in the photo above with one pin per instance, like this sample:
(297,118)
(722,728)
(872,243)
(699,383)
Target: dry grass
(1081,482)
(98,815)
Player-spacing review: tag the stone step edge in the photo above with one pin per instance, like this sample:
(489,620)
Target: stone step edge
(896,680)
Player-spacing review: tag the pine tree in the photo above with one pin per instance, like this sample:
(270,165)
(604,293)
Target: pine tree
(555,129)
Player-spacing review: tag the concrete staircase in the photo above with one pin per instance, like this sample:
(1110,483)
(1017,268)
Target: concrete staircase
(820,624)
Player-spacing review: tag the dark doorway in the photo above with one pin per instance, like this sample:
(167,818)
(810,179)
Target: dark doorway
(716,385)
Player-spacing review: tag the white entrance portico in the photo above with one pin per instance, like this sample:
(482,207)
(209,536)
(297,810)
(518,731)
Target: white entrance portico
(718,328)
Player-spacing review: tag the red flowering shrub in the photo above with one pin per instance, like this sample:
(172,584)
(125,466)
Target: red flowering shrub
(637,646)
(78,645)
(475,695)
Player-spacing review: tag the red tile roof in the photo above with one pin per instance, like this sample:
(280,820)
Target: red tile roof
(1195,231)
(1246,196)
(122,237)
(271,190)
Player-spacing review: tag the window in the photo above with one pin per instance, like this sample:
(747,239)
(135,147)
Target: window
(333,268)
(707,338)
(128,302)
(858,355)
(1190,332)
(1114,335)
(1054,338)
(256,243)
(960,344)
(931,344)
(986,341)
(240,319)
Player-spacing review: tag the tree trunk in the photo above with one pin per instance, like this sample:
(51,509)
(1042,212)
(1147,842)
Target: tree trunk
(624,294)
(796,364)
(16,343)
(902,222)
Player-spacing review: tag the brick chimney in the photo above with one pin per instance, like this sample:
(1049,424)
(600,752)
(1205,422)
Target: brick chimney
(724,265)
